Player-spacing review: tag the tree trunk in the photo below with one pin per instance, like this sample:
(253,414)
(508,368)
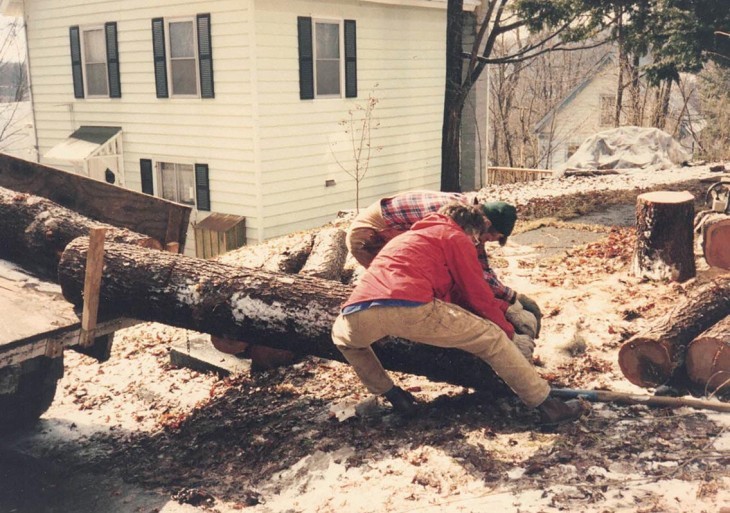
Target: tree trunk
(290,312)
(34,231)
(327,258)
(708,361)
(664,241)
(652,358)
(450,136)
(715,239)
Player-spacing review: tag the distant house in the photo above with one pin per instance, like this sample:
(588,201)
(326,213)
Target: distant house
(590,108)
(234,106)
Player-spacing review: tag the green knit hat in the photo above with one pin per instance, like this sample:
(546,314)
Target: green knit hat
(502,216)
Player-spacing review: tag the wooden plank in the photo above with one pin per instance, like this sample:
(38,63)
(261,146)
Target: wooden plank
(92,285)
(164,220)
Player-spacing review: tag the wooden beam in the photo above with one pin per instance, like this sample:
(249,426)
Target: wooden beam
(92,285)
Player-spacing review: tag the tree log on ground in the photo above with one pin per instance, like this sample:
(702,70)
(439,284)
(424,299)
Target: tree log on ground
(282,254)
(708,361)
(282,311)
(328,255)
(664,241)
(652,358)
(714,233)
(34,231)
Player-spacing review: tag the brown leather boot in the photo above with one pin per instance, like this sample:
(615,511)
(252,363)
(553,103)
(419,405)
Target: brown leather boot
(554,411)
(402,400)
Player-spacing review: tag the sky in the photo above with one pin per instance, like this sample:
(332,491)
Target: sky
(12,48)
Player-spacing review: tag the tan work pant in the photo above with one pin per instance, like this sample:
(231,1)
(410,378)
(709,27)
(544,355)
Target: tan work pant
(438,324)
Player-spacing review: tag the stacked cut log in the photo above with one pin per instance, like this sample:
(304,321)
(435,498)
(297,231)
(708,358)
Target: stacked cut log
(714,235)
(708,361)
(34,231)
(657,356)
(289,312)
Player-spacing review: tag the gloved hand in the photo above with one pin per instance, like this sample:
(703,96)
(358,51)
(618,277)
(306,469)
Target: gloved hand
(524,322)
(531,306)
(525,344)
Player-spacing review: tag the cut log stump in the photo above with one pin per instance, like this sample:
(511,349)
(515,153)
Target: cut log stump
(652,358)
(708,361)
(664,241)
(289,312)
(715,239)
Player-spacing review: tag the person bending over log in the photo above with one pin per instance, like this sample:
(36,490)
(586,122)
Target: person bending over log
(425,286)
(388,217)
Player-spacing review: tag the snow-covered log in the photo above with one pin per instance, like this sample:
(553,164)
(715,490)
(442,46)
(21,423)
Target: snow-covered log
(34,231)
(328,255)
(708,361)
(652,358)
(664,240)
(291,312)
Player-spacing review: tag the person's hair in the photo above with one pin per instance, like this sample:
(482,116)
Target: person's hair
(468,217)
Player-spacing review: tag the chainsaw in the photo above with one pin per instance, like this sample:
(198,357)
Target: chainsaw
(718,196)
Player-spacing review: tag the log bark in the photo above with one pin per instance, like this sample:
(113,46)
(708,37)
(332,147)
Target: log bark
(714,231)
(708,361)
(328,255)
(290,312)
(652,358)
(285,254)
(664,242)
(34,231)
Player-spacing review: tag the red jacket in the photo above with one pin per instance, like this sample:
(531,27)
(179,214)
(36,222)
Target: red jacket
(434,259)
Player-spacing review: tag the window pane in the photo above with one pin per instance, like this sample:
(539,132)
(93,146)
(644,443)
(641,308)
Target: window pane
(181,39)
(184,78)
(96,80)
(94,46)
(186,184)
(328,40)
(168,181)
(328,77)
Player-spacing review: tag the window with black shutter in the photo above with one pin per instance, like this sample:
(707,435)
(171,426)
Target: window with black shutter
(95,61)
(321,63)
(202,187)
(183,56)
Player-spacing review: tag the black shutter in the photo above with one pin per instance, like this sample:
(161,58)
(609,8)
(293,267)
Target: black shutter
(306,64)
(205,57)
(112,59)
(158,52)
(145,169)
(350,59)
(202,188)
(76,69)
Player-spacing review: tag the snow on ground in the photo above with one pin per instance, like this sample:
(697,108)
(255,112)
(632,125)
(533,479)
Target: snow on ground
(271,442)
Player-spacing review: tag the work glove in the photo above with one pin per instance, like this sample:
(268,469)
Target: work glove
(524,322)
(531,306)
(525,344)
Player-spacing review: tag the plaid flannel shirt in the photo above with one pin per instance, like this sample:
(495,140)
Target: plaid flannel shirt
(400,212)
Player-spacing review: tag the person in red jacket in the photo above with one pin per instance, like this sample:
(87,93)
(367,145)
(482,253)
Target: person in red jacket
(425,285)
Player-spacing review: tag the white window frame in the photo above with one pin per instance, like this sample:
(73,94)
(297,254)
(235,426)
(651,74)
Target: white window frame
(84,61)
(341,40)
(161,183)
(168,48)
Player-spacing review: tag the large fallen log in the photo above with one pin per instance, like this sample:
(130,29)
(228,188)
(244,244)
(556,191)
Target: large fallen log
(652,358)
(34,231)
(291,312)
(708,361)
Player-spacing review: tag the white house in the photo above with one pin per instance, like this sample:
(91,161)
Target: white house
(235,106)
(590,108)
